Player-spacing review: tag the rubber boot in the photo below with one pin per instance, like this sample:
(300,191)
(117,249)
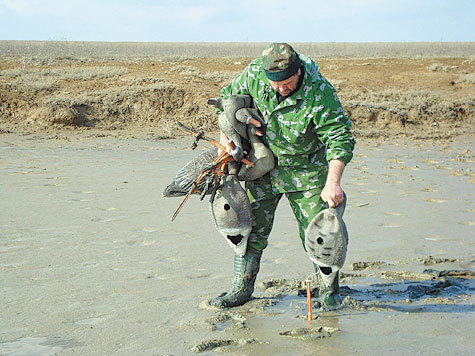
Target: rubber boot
(329,288)
(245,273)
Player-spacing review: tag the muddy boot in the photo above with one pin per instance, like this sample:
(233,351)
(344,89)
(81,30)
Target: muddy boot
(245,273)
(329,288)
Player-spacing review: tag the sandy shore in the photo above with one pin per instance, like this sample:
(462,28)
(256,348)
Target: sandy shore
(90,263)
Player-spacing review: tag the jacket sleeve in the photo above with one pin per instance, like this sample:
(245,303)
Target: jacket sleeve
(333,127)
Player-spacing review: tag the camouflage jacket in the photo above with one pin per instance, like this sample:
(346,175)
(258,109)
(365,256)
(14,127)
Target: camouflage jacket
(304,131)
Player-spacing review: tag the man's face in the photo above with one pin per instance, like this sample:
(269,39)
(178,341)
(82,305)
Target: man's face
(285,87)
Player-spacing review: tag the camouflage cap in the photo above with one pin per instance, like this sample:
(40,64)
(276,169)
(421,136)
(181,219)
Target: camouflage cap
(280,61)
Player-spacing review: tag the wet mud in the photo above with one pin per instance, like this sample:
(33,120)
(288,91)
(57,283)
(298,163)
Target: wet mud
(91,263)
(310,334)
(221,345)
(369,291)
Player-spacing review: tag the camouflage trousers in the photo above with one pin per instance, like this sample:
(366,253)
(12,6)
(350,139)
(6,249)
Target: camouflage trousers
(305,206)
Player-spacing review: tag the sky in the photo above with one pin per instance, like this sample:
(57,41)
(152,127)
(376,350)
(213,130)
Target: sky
(238,21)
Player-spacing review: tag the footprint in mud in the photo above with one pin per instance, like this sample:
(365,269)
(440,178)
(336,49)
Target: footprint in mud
(227,321)
(431,260)
(221,345)
(279,288)
(211,345)
(359,266)
(315,305)
(310,334)
(452,273)
(404,275)
(420,290)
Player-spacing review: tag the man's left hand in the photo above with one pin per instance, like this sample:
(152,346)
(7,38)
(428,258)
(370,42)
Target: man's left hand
(332,192)
(256,124)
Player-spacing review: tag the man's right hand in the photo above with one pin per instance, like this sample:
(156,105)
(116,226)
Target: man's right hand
(226,142)
(229,144)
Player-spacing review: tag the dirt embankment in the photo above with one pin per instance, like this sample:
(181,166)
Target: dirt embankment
(420,98)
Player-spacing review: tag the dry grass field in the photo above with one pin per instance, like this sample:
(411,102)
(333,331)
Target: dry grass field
(421,90)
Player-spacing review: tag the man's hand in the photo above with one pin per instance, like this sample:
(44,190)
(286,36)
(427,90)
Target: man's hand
(253,122)
(332,192)
(229,144)
(226,142)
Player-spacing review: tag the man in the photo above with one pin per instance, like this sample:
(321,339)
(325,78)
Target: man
(310,138)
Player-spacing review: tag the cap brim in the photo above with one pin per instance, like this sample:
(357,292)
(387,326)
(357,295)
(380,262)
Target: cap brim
(278,76)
